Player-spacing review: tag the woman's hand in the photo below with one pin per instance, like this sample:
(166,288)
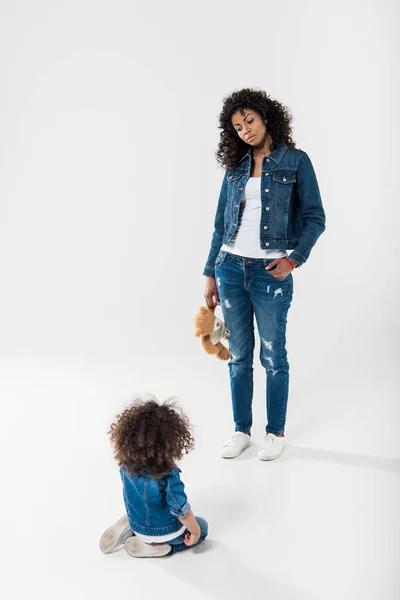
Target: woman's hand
(282,268)
(211,293)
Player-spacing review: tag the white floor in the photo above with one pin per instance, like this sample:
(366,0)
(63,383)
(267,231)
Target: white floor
(322,522)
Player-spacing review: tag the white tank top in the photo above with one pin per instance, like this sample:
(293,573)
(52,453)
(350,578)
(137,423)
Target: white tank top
(247,240)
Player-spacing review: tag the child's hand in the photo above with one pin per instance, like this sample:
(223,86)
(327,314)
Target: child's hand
(192,538)
(193,529)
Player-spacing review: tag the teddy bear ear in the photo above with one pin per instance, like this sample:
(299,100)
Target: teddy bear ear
(198,332)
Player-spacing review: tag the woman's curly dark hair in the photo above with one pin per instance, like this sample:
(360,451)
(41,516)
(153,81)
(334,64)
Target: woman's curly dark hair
(149,437)
(231,148)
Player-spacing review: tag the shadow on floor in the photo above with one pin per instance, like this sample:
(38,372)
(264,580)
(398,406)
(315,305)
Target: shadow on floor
(218,573)
(358,460)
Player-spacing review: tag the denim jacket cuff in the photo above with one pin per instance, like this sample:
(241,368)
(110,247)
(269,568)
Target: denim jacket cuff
(209,271)
(182,512)
(299,258)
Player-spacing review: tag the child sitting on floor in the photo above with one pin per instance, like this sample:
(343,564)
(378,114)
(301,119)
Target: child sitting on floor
(148,438)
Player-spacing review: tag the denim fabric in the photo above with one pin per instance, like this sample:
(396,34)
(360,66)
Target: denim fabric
(246,289)
(178,543)
(154,505)
(292,216)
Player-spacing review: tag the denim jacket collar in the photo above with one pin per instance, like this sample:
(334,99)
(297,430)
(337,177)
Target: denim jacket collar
(276,155)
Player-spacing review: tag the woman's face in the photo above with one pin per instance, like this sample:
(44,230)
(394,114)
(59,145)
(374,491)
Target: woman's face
(250,126)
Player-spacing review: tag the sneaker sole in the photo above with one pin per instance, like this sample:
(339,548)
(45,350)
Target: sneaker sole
(139,549)
(270,457)
(111,539)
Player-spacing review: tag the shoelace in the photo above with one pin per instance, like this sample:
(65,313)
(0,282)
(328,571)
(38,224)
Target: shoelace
(268,441)
(234,439)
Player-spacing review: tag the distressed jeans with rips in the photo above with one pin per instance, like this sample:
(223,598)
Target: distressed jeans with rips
(246,289)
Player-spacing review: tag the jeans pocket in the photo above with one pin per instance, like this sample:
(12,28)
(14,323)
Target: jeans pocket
(286,279)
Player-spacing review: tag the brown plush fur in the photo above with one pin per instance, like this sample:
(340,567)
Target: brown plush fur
(204,325)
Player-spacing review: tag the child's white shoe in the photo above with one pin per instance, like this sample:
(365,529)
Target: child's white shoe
(235,445)
(115,536)
(271,447)
(139,549)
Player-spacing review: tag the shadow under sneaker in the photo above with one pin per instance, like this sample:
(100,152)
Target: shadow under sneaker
(235,445)
(139,549)
(115,536)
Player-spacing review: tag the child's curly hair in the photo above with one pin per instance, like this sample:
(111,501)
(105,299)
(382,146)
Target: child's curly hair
(149,437)
(231,148)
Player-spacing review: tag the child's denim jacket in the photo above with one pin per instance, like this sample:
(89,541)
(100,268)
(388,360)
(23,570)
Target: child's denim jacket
(292,216)
(154,505)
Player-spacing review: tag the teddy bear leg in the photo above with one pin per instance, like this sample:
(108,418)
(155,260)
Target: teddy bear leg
(223,353)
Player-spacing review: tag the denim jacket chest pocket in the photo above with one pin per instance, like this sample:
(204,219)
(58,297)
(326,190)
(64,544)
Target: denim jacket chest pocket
(283,182)
(235,181)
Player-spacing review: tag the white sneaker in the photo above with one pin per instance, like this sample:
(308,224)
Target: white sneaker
(115,535)
(271,447)
(139,549)
(235,445)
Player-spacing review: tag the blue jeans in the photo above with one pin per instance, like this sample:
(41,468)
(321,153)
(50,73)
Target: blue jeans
(246,289)
(178,542)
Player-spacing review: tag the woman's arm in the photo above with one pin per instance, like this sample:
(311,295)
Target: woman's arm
(211,293)
(218,234)
(312,214)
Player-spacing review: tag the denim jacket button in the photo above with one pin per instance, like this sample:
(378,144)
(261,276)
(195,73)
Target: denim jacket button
(267,208)
(268,160)
(267,190)
(266,174)
(265,226)
(266,243)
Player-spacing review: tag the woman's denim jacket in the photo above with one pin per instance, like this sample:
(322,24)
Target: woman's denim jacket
(154,505)
(292,216)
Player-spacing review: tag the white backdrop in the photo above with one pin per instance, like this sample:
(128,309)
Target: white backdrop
(108,188)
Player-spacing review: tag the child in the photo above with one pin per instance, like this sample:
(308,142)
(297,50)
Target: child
(148,438)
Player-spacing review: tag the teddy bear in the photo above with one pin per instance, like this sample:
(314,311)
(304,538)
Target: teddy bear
(211,330)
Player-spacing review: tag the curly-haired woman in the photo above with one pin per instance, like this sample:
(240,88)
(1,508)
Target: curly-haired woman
(268,218)
(148,439)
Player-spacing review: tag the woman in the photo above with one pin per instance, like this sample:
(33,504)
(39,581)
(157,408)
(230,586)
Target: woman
(269,216)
